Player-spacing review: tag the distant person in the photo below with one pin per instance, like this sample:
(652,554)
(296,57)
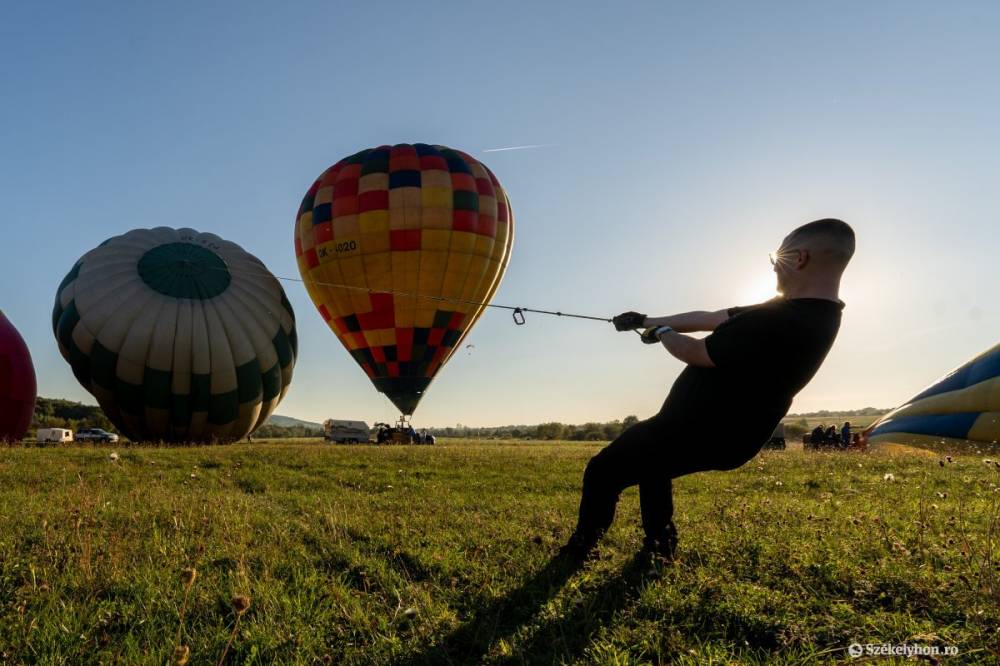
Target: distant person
(845,433)
(738,384)
(831,438)
(816,436)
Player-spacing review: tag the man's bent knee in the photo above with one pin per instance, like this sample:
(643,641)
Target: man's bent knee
(593,474)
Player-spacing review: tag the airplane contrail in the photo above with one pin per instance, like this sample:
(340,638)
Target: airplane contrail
(525,147)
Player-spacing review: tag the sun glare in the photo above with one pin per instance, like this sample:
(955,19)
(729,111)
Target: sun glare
(758,289)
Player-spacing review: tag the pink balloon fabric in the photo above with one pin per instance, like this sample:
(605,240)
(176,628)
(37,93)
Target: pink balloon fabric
(17,383)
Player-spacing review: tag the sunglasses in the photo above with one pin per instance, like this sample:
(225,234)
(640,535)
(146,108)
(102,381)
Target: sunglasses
(782,256)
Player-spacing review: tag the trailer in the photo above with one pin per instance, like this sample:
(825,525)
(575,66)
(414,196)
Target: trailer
(54,436)
(346,432)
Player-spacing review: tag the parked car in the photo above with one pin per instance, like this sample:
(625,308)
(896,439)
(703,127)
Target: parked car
(95,435)
(777,440)
(54,435)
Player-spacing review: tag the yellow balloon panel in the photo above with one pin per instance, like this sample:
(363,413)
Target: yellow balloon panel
(400,248)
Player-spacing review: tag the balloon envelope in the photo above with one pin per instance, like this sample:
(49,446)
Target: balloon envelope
(180,335)
(429,223)
(962,408)
(17,383)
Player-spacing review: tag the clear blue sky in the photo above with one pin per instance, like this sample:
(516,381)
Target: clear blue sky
(689,138)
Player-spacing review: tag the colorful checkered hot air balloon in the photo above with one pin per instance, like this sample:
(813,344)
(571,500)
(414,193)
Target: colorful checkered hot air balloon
(399,247)
(180,335)
(17,383)
(962,408)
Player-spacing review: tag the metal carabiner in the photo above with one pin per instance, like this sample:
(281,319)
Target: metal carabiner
(518,316)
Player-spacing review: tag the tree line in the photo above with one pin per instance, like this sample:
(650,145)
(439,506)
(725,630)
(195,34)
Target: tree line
(826,413)
(57,413)
(270,431)
(545,431)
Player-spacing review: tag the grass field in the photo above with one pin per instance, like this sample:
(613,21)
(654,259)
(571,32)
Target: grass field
(444,555)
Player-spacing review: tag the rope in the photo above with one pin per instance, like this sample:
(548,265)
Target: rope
(517,311)
(443,299)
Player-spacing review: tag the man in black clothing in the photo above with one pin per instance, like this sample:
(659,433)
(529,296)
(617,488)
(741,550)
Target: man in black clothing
(816,437)
(745,374)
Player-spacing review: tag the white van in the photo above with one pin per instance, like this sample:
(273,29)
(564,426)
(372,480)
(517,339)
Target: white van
(346,432)
(54,435)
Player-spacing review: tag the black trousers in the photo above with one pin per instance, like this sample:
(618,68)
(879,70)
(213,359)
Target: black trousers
(651,454)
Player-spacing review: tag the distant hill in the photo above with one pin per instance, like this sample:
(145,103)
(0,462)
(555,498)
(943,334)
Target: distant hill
(290,422)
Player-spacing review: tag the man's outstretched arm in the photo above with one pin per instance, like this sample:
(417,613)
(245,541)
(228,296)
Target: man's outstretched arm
(690,322)
(687,349)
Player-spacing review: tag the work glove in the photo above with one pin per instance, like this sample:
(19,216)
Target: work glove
(651,336)
(628,321)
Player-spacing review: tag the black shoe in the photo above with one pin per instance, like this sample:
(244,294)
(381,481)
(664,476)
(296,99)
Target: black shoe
(663,546)
(579,549)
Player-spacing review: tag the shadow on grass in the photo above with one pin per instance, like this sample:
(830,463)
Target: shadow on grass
(561,638)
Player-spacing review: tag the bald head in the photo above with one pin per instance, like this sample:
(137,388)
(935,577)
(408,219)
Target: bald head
(812,259)
(830,243)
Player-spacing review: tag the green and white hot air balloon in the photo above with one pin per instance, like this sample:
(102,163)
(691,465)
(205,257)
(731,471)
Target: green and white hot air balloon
(181,336)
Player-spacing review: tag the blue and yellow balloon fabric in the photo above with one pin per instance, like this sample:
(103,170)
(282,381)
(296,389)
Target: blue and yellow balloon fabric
(962,408)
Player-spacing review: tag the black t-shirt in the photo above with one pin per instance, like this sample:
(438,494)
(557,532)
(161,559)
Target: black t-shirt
(764,354)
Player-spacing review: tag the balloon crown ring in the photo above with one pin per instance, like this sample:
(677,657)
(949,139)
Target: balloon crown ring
(184,270)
